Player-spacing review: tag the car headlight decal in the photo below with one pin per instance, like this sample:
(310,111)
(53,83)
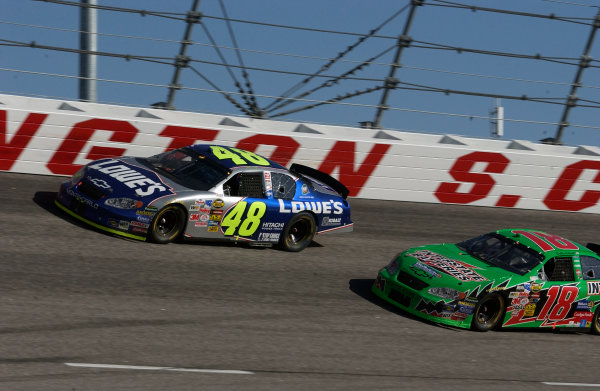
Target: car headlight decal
(124,203)
(444,292)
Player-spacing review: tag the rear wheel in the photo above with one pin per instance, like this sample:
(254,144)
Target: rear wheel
(488,313)
(595,329)
(167,225)
(298,232)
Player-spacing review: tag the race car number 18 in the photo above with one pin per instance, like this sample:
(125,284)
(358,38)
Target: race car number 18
(249,224)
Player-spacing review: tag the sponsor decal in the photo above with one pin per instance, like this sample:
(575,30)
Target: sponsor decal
(124,224)
(208,203)
(143,219)
(200,203)
(214,211)
(204,217)
(268,237)
(215,217)
(194,208)
(113,223)
(218,203)
(100,183)
(145,212)
(139,224)
(81,199)
(131,178)
(213,229)
(327,207)
(271,226)
(212,223)
(139,229)
(459,270)
(513,295)
(327,221)
(529,310)
(593,287)
(200,224)
(584,305)
(194,216)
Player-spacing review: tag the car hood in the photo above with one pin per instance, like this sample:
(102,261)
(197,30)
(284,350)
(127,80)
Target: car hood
(448,266)
(124,177)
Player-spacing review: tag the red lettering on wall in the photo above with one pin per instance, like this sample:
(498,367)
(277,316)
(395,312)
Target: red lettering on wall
(556,198)
(285,149)
(461,172)
(342,155)
(62,161)
(183,136)
(10,152)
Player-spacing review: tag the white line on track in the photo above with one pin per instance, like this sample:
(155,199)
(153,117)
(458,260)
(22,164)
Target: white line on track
(571,384)
(149,368)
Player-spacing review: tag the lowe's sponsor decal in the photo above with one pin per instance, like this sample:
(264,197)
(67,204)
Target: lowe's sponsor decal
(327,207)
(456,269)
(131,178)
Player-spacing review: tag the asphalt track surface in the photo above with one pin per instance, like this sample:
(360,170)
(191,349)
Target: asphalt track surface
(83,310)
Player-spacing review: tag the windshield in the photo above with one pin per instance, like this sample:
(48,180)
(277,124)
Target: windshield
(502,252)
(188,168)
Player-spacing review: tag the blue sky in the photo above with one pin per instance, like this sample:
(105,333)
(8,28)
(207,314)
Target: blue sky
(271,53)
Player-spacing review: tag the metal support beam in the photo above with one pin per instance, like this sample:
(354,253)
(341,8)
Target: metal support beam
(404,40)
(584,62)
(88,43)
(181,60)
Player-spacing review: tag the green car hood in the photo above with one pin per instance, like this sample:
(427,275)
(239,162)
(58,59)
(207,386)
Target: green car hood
(446,265)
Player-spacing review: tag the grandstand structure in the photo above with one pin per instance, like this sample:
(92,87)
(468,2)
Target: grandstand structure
(525,70)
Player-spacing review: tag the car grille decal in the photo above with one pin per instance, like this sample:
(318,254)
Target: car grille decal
(89,190)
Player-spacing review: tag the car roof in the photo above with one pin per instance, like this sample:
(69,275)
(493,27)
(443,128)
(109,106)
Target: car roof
(543,242)
(231,157)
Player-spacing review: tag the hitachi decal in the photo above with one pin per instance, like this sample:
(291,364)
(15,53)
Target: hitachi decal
(319,207)
(133,179)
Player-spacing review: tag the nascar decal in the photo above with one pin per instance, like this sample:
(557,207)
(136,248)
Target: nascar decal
(459,270)
(327,207)
(133,179)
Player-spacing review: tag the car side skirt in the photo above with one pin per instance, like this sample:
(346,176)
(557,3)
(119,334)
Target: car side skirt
(98,226)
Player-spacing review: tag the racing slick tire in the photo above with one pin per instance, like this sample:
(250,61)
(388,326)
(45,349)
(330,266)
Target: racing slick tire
(595,328)
(298,232)
(167,225)
(488,313)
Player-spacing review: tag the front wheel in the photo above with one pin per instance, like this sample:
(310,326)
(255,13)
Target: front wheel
(298,232)
(488,313)
(167,225)
(595,329)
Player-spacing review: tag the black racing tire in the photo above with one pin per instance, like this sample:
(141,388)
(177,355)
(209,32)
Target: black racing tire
(595,328)
(167,225)
(488,313)
(298,232)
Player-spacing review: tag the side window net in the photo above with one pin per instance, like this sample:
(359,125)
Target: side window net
(559,269)
(245,185)
(284,186)
(590,267)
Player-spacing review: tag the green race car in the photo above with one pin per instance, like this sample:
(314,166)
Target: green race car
(508,278)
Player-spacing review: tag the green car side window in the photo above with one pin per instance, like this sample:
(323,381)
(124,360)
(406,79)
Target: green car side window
(559,269)
(590,266)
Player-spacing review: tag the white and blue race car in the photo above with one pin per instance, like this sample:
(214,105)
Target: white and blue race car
(207,192)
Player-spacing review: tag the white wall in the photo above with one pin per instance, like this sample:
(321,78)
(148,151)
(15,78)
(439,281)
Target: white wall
(52,137)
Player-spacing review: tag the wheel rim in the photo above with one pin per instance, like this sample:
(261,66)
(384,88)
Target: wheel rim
(166,223)
(299,231)
(488,312)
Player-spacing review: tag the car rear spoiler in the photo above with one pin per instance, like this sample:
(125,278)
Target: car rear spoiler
(320,176)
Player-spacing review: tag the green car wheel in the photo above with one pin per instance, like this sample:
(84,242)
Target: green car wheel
(488,313)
